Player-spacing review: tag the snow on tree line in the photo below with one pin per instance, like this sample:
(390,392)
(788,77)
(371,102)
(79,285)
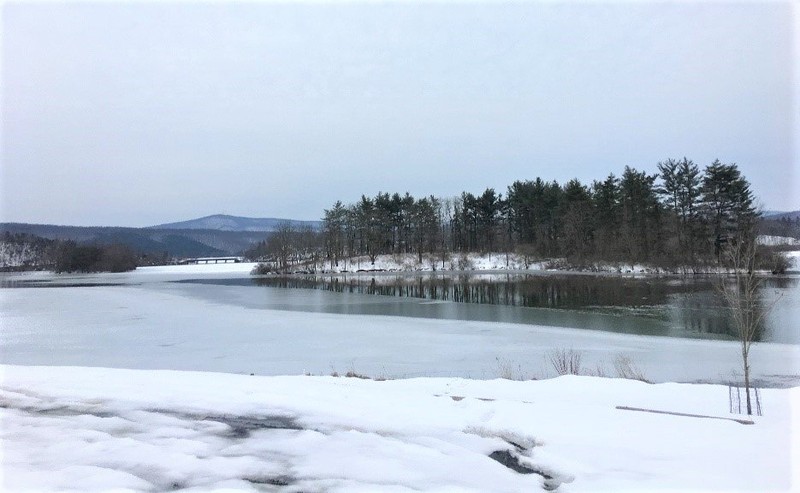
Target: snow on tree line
(22,251)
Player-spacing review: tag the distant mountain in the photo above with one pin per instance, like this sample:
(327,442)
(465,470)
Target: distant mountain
(207,236)
(222,222)
(781,215)
(177,243)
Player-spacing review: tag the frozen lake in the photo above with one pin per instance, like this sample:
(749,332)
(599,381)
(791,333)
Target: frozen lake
(221,320)
(663,306)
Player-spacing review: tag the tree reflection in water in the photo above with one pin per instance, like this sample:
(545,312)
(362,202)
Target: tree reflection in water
(690,303)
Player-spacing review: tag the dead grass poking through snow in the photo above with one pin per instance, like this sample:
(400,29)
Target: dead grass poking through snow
(566,361)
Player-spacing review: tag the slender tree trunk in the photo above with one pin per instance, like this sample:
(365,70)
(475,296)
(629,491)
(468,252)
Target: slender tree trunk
(747,391)
(747,382)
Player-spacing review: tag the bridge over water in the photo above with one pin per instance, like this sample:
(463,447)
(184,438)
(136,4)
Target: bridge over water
(210,260)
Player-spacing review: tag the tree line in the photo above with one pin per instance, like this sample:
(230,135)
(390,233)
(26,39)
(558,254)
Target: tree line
(782,226)
(22,251)
(680,216)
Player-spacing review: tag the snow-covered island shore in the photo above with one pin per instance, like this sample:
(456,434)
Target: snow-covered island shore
(95,429)
(496,261)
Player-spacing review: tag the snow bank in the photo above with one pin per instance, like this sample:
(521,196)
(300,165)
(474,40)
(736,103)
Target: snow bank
(80,429)
(222,268)
(409,262)
(794,258)
(476,262)
(768,240)
(473,261)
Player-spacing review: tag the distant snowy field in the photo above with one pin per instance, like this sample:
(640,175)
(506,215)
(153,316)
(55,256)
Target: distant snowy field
(777,240)
(93,429)
(224,268)
(794,257)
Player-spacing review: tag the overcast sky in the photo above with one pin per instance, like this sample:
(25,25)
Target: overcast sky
(134,114)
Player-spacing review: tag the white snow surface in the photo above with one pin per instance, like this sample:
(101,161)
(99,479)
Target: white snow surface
(473,262)
(794,258)
(409,262)
(777,240)
(222,268)
(485,262)
(96,429)
(74,428)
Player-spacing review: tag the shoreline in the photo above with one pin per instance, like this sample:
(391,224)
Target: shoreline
(506,263)
(407,264)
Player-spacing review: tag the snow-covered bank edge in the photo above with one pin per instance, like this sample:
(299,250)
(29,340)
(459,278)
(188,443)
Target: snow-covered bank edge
(95,429)
(468,263)
(490,262)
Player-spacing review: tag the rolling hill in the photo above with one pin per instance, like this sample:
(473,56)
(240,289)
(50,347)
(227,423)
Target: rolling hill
(222,222)
(206,236)
(794,215)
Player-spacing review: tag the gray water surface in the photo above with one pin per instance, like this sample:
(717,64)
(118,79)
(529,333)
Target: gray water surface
(662,306)
(227,322)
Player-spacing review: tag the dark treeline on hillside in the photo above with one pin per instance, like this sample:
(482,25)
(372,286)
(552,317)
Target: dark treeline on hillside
(21,251)
(72,257)
(148,241)
(680,216)
(781,226)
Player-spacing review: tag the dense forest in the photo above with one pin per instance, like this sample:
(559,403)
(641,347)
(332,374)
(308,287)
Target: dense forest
(680,217)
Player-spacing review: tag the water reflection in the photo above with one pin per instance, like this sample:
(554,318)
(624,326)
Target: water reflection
(686,307)
(566,292)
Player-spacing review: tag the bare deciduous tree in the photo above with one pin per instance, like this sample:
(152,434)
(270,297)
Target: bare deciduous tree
(743,296)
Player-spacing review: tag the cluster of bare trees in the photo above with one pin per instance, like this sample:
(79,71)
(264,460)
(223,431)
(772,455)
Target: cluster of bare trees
(680,216)
(288,246)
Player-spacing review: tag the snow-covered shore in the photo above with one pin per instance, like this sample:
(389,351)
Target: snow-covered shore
(95,429)
(468,262)
(497,261)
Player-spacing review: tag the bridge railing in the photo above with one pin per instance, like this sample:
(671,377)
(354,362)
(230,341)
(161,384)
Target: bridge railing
(210,260)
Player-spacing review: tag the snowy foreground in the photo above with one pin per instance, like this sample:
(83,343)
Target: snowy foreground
(95,429)
(74,428)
